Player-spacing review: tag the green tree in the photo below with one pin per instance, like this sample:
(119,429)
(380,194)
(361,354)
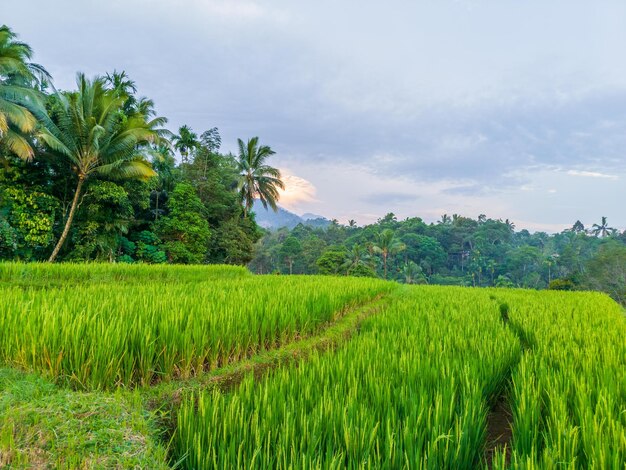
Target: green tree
(290,250)
(184,231)
(387,245)
(331,261)
(356,257)
(20,103)
(186,142)
(232,241)
(106,215)
(89,131)
(578,227)
(27,222)
(256,178)
(602,229)
(606,271)
(412,273)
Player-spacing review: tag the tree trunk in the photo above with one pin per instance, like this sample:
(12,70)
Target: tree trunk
(385,264)
(156,206)
(68,223)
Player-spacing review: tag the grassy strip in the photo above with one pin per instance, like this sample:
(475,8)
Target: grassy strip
(44,275)
(165,396)
(46,426)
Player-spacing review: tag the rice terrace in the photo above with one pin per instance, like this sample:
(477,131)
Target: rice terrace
(213,367)
(404,247)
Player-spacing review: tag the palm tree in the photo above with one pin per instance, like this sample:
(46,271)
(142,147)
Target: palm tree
(388,245)
(357,256)
(163,162)
(256,179)
(510,225)
(123,86)
(602,229)
(412,272)
(88,130)
(20,103)
(445,220)
(185,142)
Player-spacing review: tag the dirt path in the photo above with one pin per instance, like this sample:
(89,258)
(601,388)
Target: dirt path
(499,431)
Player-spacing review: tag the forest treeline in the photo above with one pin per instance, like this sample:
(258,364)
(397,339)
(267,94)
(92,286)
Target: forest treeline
(91,174)
(455,250)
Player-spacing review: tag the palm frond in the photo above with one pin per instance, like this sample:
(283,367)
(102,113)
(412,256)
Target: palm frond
(17,144)
(137,168)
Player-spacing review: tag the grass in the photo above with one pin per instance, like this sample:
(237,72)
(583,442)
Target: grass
(45,426)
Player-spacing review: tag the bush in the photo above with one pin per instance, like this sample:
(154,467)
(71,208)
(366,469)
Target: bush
(561,284)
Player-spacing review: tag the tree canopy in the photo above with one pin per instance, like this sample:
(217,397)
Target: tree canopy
(92,174)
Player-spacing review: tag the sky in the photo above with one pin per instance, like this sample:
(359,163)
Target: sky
(511,109)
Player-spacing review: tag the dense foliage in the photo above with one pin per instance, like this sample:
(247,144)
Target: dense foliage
(456,251)
(91,174)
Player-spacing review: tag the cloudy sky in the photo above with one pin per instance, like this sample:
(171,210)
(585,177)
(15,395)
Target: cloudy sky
(512,109)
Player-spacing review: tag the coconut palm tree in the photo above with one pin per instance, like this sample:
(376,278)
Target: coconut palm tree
(388,244)
(256,178)
(185,142)
(357,256)
(88,130)
(412,272)
(445,220)
(602,229)
(20,102)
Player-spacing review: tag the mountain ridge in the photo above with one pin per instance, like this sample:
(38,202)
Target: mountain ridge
(269,219)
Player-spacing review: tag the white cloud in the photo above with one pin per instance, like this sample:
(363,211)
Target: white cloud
(297,191)
(591,174)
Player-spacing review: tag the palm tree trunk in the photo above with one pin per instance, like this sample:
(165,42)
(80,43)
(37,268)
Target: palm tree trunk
(68,223)
(156,206)
(385,264)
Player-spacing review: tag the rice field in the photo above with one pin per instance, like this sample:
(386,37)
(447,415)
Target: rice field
(98,332)
(409,391)
(568,394)
(415,385)
(414,390)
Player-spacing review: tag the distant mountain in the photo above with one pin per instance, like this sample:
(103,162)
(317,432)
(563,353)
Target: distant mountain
(309,216)
(269,219)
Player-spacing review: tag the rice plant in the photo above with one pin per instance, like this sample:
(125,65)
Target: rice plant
(569,392)
(410,391)
(144,324)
